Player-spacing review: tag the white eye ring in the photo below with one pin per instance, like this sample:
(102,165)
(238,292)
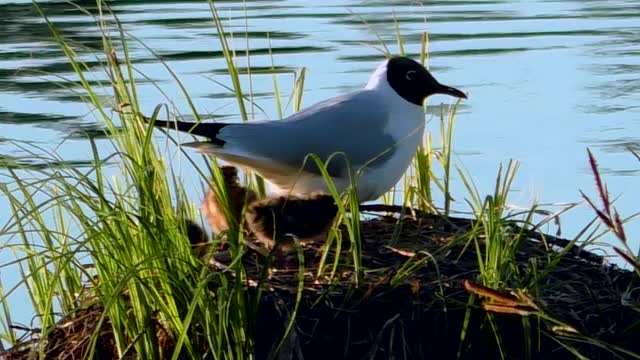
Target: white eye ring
(408,77)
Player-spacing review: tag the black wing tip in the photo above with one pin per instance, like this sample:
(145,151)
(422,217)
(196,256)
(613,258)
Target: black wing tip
(209,130)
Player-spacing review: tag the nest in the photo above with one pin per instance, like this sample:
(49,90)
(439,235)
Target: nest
(421,316)
(416,314)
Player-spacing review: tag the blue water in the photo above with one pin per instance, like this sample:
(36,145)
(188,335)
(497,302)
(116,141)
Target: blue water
(546,80)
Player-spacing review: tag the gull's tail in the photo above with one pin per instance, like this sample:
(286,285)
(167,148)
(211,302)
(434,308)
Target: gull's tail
(208,130)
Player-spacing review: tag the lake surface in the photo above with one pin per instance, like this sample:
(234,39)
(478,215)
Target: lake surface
(546,79)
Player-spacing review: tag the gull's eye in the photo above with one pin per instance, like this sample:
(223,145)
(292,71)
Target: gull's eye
(410,74)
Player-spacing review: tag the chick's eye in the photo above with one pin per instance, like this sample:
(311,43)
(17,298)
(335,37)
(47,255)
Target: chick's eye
(410,74)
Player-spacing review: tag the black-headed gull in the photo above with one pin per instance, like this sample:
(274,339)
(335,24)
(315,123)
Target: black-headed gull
(378,128)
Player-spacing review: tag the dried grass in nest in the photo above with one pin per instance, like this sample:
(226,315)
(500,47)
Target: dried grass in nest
(419,317)
(69,339)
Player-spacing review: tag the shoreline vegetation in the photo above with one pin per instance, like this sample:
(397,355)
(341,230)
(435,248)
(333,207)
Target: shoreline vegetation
(118,268)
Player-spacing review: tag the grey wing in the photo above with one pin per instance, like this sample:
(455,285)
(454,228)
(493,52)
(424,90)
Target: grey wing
(352,125)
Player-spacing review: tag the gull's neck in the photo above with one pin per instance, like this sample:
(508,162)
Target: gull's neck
(379,77)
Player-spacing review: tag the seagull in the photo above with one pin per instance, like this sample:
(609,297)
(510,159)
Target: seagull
(367,137)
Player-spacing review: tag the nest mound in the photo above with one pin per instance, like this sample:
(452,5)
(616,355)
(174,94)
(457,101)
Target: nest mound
(422,315)
(417,314)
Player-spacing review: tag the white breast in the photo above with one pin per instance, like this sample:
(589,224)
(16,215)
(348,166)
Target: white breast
(407,128)
(406,125)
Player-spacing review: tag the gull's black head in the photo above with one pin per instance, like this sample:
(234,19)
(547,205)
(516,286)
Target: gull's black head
(414,83)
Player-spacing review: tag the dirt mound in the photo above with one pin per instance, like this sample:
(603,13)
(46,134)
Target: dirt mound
(413,303)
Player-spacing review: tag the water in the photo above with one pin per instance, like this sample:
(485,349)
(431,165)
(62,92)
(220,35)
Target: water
(546,79)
